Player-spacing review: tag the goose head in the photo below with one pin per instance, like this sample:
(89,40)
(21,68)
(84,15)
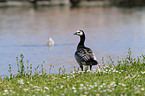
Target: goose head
(79,33)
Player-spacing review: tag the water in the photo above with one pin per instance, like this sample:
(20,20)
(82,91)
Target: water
(110,32)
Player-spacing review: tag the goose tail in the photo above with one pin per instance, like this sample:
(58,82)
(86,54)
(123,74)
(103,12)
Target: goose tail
(91,62)
(94,62)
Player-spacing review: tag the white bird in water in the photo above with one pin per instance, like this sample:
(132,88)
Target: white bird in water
(50,42)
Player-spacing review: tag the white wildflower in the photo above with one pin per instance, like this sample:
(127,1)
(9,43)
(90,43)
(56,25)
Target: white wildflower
(125,88)
(97,94)
(112,83)
(73,72)
(5,91)
(114,70)
(119,83)
(104,84)
(139,86)
(109,90)
(91,86)
(88,70)
(46,88)
(142,89)
(86,92)
(136,88)
(109,86)
(73,75)
(121,95)
(80,71)
(104,71)
(95,84)
(123,84)
(21,81)
(126,77)
(35,87)
(81,84)
(111,68)
(104,67)
(99,70)
(104,90)
(101,85)
(142,72)
(25,89)
(61,86)
(73,87)
(137,91)
(85,87)
(134,76)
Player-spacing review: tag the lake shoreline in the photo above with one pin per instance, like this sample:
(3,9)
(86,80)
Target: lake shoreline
(67,3)
(50,3)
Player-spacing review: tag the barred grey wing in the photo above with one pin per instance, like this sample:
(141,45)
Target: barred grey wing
(82,55)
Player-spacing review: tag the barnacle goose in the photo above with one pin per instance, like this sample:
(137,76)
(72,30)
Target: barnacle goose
(84,55)
(50,42)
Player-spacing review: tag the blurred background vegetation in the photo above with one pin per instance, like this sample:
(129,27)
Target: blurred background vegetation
(74,3)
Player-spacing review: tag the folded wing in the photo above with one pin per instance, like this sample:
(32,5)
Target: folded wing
(85,56)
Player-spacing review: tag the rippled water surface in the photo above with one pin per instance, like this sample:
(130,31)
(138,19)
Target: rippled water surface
(110,32)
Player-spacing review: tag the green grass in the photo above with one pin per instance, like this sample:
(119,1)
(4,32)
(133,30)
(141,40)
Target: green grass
(127,78)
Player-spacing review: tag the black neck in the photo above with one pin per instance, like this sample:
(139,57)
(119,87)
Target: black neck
(82,41)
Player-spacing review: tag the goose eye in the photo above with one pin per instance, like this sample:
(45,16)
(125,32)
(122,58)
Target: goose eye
(78,33)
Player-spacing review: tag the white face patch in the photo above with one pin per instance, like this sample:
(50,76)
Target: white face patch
(80,33)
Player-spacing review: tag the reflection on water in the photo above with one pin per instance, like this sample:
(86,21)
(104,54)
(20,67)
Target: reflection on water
(109,31)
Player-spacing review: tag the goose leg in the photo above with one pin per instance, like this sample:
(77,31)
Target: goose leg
(90,67)
(81,67)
